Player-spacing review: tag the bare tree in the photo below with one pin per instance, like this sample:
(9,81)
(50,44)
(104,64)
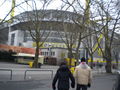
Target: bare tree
(109,21)
(76,31)
(11,11)
(68,31)
(35,24)
(83,23)
(70,38)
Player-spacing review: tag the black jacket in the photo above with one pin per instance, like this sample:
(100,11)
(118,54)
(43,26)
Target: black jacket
(63,76)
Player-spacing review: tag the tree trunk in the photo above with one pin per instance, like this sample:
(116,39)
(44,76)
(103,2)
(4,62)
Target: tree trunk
(36,55)
(116,59)
(70,56)
(108,60)
(108,66)
(91,64)
(77,57)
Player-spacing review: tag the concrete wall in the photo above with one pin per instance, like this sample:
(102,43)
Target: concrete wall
(18,38)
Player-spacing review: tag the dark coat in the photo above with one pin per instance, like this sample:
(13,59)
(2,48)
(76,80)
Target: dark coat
(63,76)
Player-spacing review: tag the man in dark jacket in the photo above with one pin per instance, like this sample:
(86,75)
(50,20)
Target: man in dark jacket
(63,76)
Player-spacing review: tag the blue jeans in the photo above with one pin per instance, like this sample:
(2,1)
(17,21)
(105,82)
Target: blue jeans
(81,87)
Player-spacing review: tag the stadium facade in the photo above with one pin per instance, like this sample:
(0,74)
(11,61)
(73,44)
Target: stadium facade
(17,33)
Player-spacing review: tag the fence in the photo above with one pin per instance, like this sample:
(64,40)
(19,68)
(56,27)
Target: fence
(25,72)
(37,70)
(8,70)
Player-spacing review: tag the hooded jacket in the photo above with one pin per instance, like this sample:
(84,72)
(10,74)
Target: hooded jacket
(83,74)
(63,76)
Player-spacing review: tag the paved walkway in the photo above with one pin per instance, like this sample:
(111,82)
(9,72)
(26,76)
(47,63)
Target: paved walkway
(103,82)
(41,80)
(24,72)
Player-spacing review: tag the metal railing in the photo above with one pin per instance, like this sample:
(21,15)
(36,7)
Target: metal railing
(8,70)
(38,70)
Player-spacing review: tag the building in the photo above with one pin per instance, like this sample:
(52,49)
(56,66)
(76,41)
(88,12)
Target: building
(50,21)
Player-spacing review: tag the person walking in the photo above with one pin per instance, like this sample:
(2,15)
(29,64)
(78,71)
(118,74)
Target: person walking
(63,76)
(83,75)
(117,83)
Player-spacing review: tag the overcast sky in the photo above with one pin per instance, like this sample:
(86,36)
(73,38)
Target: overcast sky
(5,6)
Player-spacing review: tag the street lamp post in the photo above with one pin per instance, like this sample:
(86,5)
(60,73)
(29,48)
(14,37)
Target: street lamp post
(49,48)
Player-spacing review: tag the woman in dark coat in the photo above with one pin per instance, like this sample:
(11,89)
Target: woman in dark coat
(63,76)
